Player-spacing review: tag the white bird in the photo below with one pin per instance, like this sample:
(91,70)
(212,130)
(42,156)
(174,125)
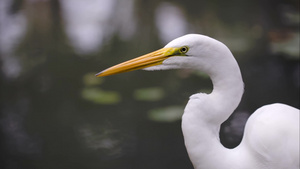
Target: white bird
(271,136)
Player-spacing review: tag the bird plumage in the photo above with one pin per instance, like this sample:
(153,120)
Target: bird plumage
(271,136)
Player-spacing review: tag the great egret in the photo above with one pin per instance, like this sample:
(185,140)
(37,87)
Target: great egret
(271,136)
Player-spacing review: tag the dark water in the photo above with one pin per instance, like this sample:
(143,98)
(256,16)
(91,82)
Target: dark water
(56,114)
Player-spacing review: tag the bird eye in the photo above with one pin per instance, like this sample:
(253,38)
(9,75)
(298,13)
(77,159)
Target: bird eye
(184,49)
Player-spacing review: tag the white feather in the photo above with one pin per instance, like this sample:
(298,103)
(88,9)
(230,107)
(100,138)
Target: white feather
(271,137)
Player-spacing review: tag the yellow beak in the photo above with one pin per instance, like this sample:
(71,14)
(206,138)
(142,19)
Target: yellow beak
(148,60)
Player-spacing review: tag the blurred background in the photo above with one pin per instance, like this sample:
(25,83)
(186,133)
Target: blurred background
(56,114)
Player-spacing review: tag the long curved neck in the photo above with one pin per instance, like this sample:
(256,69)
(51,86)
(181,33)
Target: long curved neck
(228,88)
(205,113)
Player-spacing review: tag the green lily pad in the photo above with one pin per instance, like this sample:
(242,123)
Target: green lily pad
(89,79)
(100,96)
(149,94)
(166,114)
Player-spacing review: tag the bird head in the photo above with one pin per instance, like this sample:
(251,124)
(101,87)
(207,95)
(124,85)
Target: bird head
(191,51)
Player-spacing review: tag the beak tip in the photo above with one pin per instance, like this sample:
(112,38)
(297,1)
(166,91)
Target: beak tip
(98,74)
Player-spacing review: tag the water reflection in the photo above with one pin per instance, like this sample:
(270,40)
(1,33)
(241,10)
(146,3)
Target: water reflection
(87,22)
(12,27)
(170,21)
(19,141)
(105,139)
(55,114)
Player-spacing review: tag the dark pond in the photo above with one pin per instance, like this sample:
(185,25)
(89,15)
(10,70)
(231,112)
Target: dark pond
(56,114)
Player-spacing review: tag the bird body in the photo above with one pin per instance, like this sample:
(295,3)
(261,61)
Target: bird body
(271,136)
(272,133)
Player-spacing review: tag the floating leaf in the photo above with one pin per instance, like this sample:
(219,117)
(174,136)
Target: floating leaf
(99,96)
(167,114)
(149,94)
(89,79)
(290,46)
